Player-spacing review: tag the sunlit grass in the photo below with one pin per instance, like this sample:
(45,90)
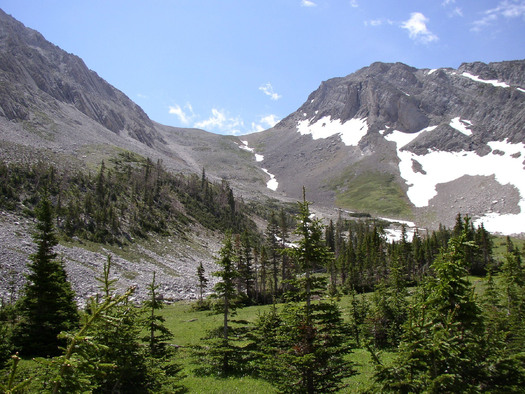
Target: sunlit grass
(189,327)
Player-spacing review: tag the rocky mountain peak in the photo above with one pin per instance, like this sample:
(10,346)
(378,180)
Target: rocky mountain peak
(390,119)
(36,72)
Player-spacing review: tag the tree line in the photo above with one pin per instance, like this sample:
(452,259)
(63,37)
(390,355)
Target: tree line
(128,197)
(419,304)
(111,346)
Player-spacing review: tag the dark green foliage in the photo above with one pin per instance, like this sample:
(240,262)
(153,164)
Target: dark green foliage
(47,306)
(202,281)
(158,334)
(445,346)
(106,355)
(118,339)
(389,309)
(162,366)
(221,354)
(8,315)
(301,349)
(302,352)
(130,197)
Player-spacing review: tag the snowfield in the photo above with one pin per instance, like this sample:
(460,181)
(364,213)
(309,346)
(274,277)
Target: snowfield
(350,131)
(489,81)
(442,167)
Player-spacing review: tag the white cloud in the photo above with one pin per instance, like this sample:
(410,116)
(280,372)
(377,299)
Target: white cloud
(457,12)
(184,116)
(417,28)
(308,3)
(264,123)
(378,22)
(221,121)
(354,3)
(267,89)
(506,9)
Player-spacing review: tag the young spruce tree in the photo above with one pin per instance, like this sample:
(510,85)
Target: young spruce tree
(47,306)
(302,349)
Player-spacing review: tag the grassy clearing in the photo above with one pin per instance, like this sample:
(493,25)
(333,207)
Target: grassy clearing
(190,326)
(371,192)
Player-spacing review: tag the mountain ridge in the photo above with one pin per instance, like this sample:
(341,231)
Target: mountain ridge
(367,121)
(352,137)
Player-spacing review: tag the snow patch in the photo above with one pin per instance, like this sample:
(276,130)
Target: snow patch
(396,234)
(444,167)
(432,71)
(405,222)
(350,131)
(493,82)
(402,139)
(521,90)
(272,183)
(461,125)
(245,147)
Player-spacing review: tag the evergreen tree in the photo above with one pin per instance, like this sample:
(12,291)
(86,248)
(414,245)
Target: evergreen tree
(513,302)
(305,344)
(158,334)
(283,234)
(272,249)
(161,356)
(118,337)
(390,308)
(443,348)
(203,281)
(221,355)
(47,306)
(246,267)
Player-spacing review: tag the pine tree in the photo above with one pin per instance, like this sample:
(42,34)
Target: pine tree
(443,348)
(118,343)
(203,281)
(161,356)
(158,334)
(47,306)
(272,248)
(221,355)
(306,342)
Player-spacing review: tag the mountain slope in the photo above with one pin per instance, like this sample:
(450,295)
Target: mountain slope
(419,144)
(36,74)
(54,111)
(49,99)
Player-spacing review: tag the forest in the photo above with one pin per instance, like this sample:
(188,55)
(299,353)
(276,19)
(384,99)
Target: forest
(436,313)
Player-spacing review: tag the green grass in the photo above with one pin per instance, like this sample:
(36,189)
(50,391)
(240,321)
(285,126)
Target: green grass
(500,246)
(189,326)
(371,192)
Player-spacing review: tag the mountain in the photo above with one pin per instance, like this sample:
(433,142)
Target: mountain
(55,110)
(390,140)
(413,144)
(50,100)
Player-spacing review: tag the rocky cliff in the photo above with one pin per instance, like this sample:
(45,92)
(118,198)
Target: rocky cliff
(35,74)
(373,139)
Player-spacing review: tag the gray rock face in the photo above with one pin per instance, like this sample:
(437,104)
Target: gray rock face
(34,74)
(463,110)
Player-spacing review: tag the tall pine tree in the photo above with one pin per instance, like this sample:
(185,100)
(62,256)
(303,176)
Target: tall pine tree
(303,347)
(47,306)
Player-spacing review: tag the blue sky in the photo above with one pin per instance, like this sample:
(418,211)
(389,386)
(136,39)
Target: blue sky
(238,66)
